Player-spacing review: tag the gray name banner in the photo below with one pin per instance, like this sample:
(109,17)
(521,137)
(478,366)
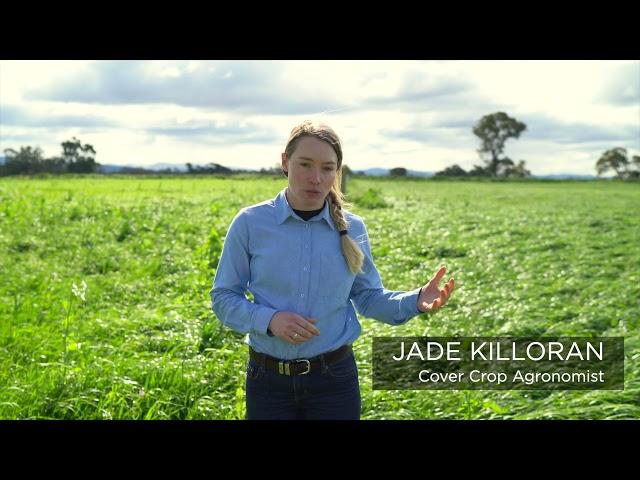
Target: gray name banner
(498,363)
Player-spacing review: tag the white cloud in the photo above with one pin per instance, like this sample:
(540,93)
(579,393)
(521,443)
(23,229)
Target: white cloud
(416,114)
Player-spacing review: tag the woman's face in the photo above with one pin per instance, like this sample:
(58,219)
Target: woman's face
(311,171)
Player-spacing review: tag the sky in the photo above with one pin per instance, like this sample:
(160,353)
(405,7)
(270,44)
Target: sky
(388,113)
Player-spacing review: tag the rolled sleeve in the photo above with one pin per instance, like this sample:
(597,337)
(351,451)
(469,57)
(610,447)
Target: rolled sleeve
(372,300)
(228,299)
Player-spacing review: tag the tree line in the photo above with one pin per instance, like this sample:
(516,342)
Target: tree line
(493,131)
(75,158)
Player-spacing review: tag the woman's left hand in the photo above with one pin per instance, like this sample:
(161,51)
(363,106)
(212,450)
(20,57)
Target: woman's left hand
(431,297)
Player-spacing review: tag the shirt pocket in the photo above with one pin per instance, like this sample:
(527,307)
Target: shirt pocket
(335,277)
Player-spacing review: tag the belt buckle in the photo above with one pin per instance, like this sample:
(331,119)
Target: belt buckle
(308,365)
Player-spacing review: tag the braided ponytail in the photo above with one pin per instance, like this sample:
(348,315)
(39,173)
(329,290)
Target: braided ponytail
(350,249)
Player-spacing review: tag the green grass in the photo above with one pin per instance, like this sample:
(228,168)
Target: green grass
(529,258)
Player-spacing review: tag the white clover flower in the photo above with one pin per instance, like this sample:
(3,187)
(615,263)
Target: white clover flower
(80,291)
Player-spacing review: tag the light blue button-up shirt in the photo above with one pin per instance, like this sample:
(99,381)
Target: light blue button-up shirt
(289,264)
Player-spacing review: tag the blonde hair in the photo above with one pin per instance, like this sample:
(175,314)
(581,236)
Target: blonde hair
(350,249)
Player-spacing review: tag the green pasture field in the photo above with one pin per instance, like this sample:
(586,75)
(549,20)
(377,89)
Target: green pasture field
(104,290)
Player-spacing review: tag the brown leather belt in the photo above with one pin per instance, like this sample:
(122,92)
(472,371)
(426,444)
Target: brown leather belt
(300,366)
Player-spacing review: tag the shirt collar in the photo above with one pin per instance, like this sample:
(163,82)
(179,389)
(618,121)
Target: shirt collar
(284,210)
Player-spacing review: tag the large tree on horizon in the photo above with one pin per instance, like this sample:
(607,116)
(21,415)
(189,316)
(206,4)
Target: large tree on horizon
(616,159)
(79,158)
(494,130)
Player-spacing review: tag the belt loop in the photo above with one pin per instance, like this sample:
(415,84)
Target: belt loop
(263,362)
(323,364)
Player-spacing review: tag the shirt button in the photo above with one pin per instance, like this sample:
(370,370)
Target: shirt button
(306,245)
(302,295)
(306,226)
(305,269)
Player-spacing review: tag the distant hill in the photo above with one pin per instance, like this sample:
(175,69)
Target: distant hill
(419,173)
(379,172)
(181,167)
(374,172)
(566,176)
(110,168)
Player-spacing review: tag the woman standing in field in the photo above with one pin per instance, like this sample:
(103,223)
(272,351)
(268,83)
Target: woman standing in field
(307,261)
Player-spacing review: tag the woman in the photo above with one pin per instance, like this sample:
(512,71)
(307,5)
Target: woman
(307,262)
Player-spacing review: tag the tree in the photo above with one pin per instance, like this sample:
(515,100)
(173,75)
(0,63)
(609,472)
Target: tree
(494,130)
(27,161)
(79,158)
(276,169)
(208,168)
(344,175)
(636,163)
(518,170)
(478,171)
(398,172)
(452,171)
(55,165)
(616,159)
(504,166)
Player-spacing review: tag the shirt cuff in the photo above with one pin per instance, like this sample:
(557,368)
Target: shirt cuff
(261,319)
(409,305)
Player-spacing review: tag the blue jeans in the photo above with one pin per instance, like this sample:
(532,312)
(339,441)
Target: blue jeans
(331,393)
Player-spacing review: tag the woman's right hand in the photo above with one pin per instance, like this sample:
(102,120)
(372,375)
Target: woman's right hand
(293,328)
